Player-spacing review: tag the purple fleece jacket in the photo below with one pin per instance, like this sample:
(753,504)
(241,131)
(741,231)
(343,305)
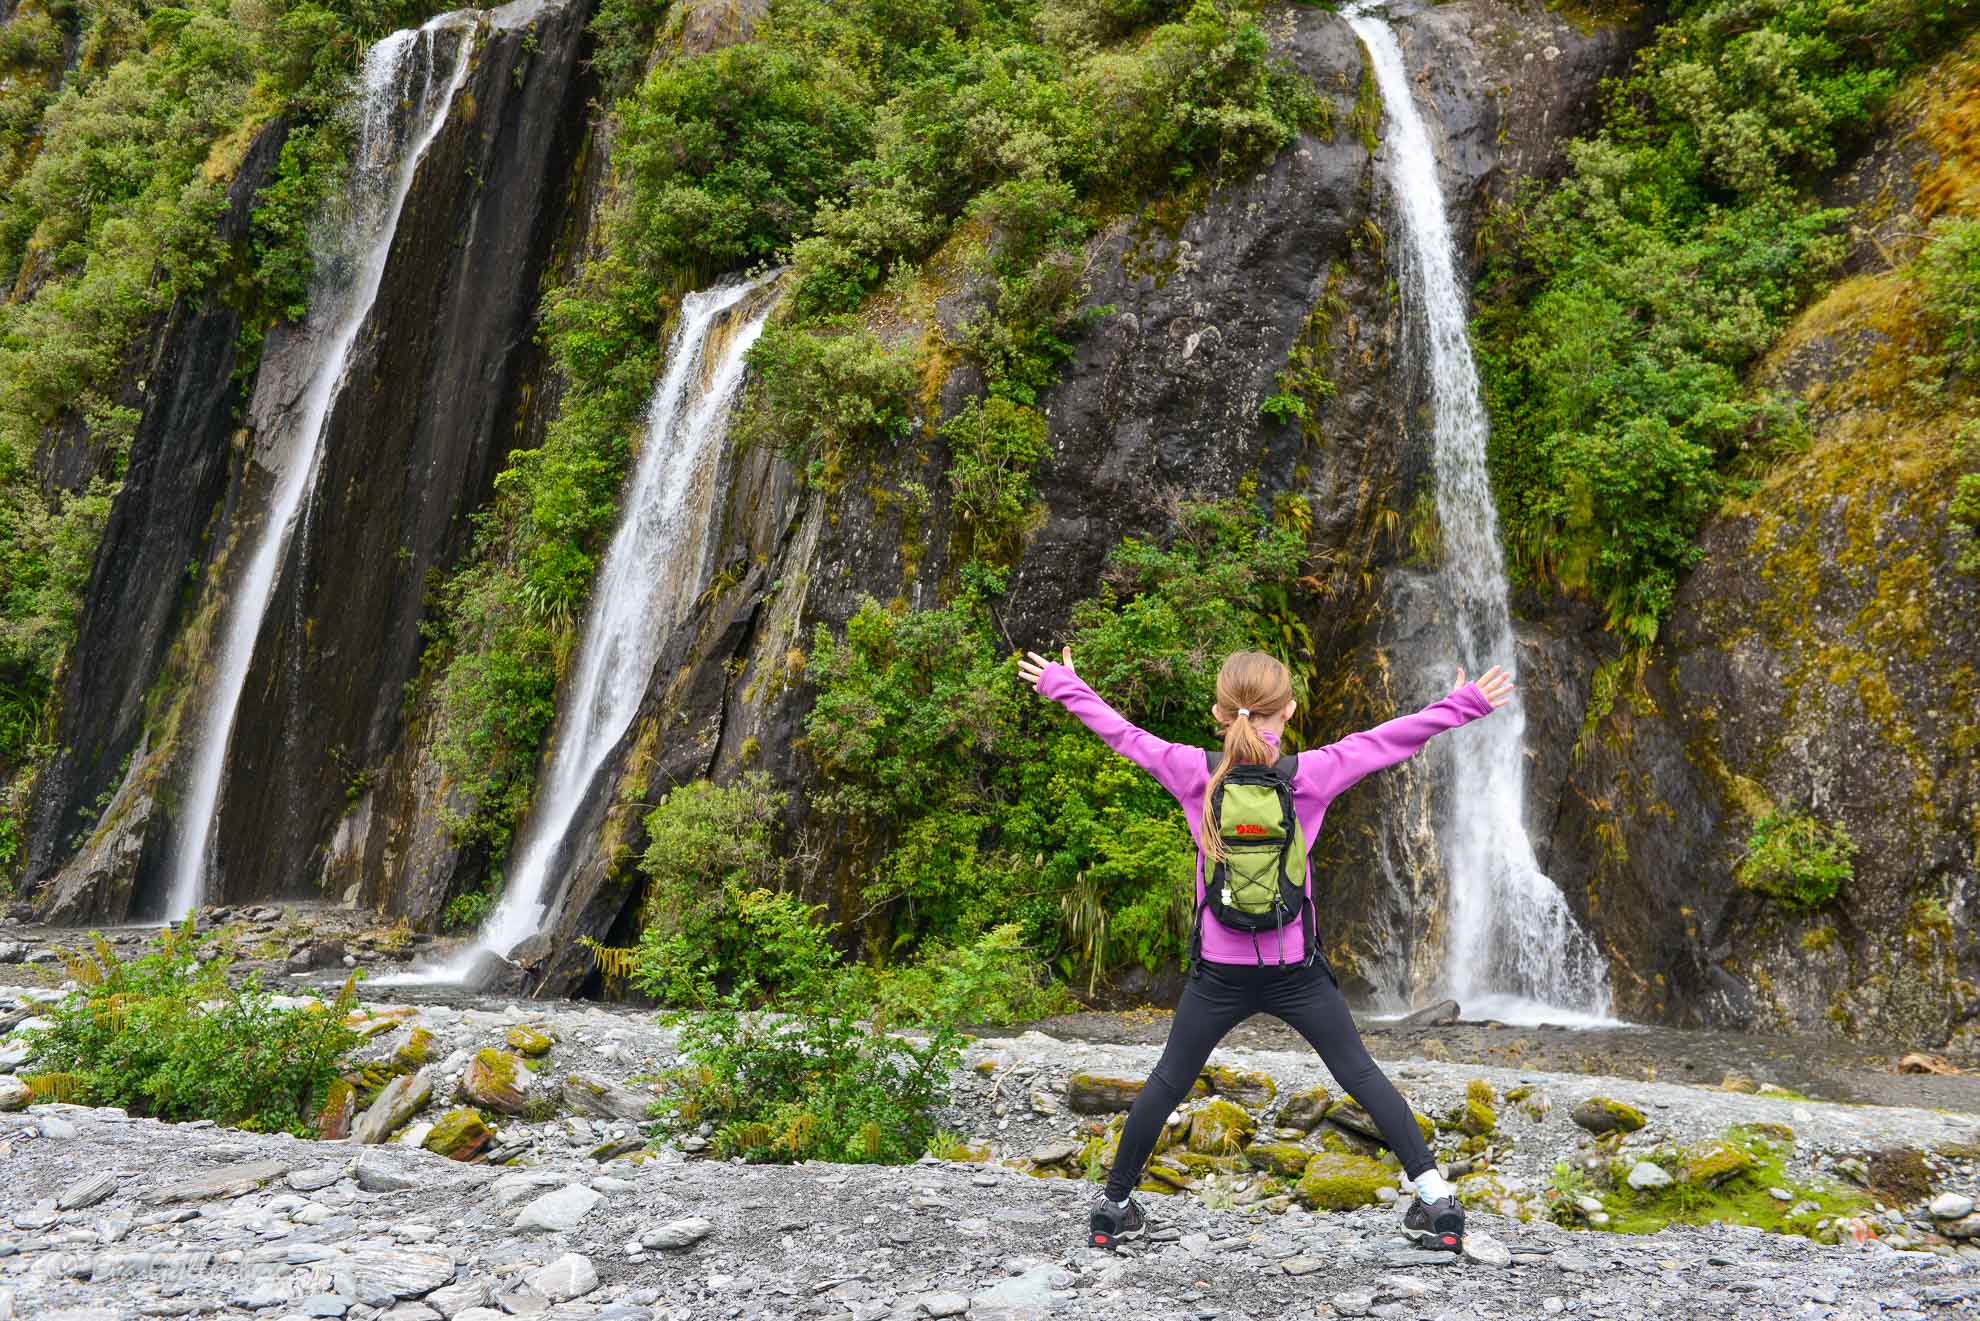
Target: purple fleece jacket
(1322,776)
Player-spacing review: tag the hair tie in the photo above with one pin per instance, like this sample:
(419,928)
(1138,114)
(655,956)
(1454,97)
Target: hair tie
(1244,711)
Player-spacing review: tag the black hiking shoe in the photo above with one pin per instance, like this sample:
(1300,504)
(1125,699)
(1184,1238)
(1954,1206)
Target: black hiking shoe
(1109,1225)
(1437,1225)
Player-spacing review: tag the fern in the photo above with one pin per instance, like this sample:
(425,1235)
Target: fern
(613,962)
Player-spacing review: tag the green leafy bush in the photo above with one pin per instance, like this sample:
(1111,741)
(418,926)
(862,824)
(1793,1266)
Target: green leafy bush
(826,393)
(1965,506)
(817,1086)
(1949,268)
(165,1035)
(1796,860)
(998,978)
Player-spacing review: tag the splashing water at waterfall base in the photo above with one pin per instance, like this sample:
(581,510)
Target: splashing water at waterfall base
(1514,950)
(404,99)
(645,585)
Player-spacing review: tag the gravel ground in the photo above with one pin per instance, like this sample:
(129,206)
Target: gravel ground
(118,1217)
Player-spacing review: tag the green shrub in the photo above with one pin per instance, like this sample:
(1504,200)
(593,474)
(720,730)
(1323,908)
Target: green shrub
(826,394)
(1965,506)
(713,922)
(817,1086)
(1949,268)
(1796,860)
(466,911)
(165,1035)
(997,979)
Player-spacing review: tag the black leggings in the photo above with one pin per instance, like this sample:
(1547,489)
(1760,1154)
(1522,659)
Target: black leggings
(1217,1000)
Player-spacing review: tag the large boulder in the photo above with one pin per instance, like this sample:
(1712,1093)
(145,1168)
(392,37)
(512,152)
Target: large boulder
(1334,1182)
(397,1102)
(460,1134)
(1305,1108)
(1250,1088)
(1220,1128)
(1602,1114)
(586,1094)
(1285,1158)
(498,1081)
(1098,1094)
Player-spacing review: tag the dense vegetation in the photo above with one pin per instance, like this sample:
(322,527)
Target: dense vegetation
(121,126)
(1622,307)
(164,1034)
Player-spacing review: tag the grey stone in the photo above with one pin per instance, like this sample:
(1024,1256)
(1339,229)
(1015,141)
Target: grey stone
(601,1098)
(1055,1152)
(14,1094)
(324,1304)
(379,1171)
(456,1298)
(569,1276)
(1951,1206)
(227,1181)
(315,1177)
(86,1191)
(1646,1174)
(130,1265)
(1300,1265)
(58,1128)
(1486,1250)
(675,1234)
(1355,1303)
(513,1188)
(559,1211)
(387,1273)
(941,1304)
(1033,1289)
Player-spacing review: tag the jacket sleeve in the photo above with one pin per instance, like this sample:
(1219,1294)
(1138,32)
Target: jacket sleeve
(1338,765)
(1178,767)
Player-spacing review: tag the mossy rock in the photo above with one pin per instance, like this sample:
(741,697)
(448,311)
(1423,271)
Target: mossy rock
(1305,1108)
(1347,1113)
(1603,1114)
(1098,1094)
(414,1051)
(1220,1128)
(1772,1132)
(1514,1095)
(1165,1178)
(1343,1143)
(1286,1158)
(497,1080)
(333,1121)
(1337,1183)
(1250,1088)
(1713,1164)
(460,1134)
(526,1040)
(1476,1118)
(1199,1164)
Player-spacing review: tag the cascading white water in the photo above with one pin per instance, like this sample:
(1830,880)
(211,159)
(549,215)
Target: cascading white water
(645,586)
(1515,951)
(404,101)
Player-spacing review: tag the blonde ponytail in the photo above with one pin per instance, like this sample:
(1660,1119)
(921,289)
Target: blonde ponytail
(1249,684)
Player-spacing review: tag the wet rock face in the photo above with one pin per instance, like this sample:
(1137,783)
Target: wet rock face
(136,601)
(430,411)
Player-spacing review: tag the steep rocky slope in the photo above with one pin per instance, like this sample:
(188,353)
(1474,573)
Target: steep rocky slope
(1821,659)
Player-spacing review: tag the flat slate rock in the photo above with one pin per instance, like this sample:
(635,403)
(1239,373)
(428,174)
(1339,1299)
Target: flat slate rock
(227,1181)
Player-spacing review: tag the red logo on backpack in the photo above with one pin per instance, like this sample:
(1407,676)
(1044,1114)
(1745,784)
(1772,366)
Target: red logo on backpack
(1247,828)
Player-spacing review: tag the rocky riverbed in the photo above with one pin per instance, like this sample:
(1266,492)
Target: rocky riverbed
(590,1214)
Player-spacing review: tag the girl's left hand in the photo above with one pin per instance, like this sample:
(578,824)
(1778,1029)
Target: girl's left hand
(1031,665)
(1495,684)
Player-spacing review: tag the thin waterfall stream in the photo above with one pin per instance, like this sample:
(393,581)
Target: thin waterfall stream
(645,586)
(1514,950)
(404,100)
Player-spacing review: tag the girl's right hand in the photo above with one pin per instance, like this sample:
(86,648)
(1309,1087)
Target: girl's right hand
(1031,666)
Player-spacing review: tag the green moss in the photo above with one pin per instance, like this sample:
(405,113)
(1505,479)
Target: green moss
(1287,1158)
(1746,1165)
(1220,1128)
(460,1134)
(1337,1183)
(414,1051)
(1250,1088)
(528,1041)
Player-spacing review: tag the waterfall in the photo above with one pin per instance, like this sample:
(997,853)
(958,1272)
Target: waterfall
(1514,949)
(403,103)
(644,588)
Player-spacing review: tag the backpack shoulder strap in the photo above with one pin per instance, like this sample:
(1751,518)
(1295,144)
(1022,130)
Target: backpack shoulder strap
(1211,758)
(1286,767)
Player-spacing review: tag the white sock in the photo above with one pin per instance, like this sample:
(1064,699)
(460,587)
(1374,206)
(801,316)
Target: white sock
(1431,1185)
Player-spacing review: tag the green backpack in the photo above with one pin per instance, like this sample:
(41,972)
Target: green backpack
(1260,883)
